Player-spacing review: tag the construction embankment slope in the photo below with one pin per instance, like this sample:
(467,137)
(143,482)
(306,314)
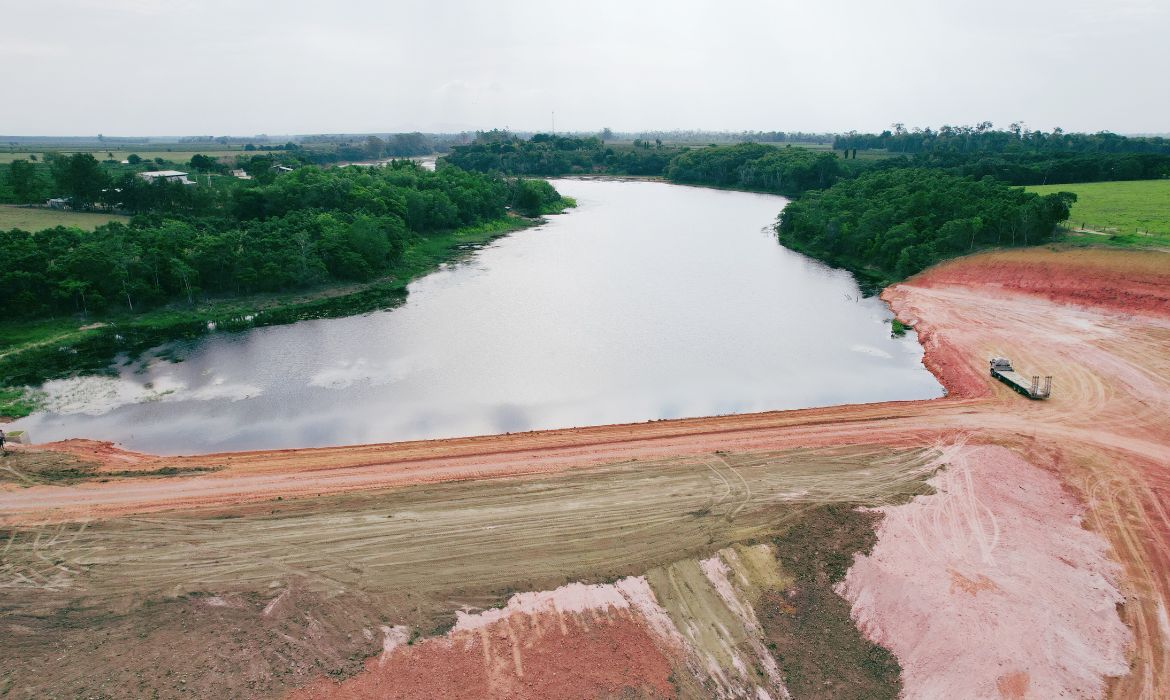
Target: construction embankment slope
(1044,525)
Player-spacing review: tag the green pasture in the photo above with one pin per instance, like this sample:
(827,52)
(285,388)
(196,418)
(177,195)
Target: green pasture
(35,219)
(1133,211)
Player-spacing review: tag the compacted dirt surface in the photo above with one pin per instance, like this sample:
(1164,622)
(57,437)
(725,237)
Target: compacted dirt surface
(978,545)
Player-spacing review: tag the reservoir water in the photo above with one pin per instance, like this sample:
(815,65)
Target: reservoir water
(647,301)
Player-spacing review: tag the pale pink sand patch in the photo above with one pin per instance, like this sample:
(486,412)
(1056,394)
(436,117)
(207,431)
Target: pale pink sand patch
(687,641)
(574,598)
(991,588)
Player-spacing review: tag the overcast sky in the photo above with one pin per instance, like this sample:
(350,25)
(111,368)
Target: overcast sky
(166,67)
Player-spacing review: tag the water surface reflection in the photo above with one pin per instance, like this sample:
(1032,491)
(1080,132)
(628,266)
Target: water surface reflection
(648,301)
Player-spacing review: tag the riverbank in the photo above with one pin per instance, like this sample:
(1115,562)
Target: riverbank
(533,332)
(33,352)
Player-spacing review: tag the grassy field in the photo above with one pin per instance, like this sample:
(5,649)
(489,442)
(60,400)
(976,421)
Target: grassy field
(1120,208)
(30,219)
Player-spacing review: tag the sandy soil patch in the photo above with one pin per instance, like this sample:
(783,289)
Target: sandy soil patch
(992,587)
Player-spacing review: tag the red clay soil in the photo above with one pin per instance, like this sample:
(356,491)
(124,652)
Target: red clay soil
(250,477)
(1127,281)
(1099,321)
(540,656)
(107,456)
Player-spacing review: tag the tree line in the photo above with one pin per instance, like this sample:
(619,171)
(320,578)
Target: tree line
(371,147)
(88,181)
(551,155)
(309,227)
(985,138)
(1044,168)
(700,136)
(1015,155)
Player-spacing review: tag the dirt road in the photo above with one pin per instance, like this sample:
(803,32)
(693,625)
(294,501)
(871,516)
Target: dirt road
(1097,455)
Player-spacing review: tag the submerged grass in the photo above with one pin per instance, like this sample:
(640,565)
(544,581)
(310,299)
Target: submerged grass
(559,206)
(18,402)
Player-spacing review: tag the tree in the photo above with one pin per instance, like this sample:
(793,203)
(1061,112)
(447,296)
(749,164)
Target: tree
(204,163)
(133,159)
(375,147)
(528,199)
(260,167)
(81,178)
(413,144)
(185,273)
(26,186)
(75,289)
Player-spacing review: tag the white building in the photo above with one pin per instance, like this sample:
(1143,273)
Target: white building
(168,175)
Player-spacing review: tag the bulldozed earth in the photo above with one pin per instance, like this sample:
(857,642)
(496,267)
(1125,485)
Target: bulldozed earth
(978,545)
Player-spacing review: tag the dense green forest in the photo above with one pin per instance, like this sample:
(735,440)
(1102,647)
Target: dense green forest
(984,138)
(1037,168)
(889,224)
(691,136)
(326,149)
(789,170)
(305,228)
(367,148)
(1014,156)
(547,154)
